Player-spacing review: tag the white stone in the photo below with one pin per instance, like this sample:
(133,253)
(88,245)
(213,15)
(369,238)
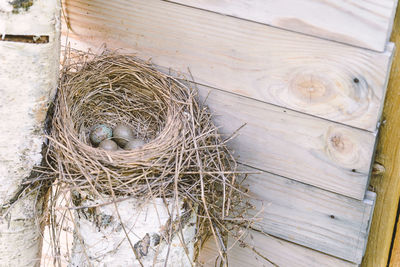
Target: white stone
(28,80)
(42,18)
(20,234)
(105,242)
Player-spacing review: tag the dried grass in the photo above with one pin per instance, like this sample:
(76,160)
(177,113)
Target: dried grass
(184,158)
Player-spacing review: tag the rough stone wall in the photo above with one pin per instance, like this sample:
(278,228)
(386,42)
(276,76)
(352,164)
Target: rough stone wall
(29,57)
(28,79)
(100,240)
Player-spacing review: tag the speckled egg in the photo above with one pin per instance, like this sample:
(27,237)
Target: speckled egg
(108,145)
(99,133)
(134,144)
(122,134)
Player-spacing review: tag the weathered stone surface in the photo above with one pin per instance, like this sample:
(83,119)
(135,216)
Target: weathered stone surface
(100,240)
(40,18)
(28,79)
(20,233)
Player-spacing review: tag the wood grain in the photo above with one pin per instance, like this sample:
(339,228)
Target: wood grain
(314,218)
(301,147)
(395,258)
(362,23)
(280,252)
(314,76)
(387,185)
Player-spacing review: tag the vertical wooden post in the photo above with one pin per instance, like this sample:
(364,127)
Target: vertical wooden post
(387,184)
(29,56)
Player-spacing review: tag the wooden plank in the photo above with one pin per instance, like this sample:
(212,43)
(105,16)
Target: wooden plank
(280,252)
(387,185)
(357,22)
(314,76)
(301,147)
(315,218)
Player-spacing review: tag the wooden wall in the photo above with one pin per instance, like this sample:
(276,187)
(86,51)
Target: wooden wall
(311,106)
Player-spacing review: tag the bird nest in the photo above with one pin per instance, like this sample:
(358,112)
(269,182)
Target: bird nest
(183,157)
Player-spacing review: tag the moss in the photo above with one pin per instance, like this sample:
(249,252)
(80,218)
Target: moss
(19,5)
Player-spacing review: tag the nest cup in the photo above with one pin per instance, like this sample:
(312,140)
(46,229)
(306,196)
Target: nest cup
(184,156)
(113,90)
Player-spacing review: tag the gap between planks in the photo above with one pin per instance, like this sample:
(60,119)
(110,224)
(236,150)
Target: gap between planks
(318,77)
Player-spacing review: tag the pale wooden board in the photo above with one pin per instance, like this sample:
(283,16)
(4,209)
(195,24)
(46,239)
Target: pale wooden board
(304,148)
(314,218)
(287,69)
(292,210)
(280,252)
(363,23)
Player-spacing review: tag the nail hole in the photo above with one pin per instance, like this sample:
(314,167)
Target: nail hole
(332,217)
(356,80)
(353,170)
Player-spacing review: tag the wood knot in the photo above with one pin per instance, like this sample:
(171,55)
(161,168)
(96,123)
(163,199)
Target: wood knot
(341,143)
(311,88)
(342,148)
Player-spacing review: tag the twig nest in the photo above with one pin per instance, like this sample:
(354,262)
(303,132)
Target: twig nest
(99,133)
(123,134)
(184,156)
(134,144)
(119,94)
(108,145)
